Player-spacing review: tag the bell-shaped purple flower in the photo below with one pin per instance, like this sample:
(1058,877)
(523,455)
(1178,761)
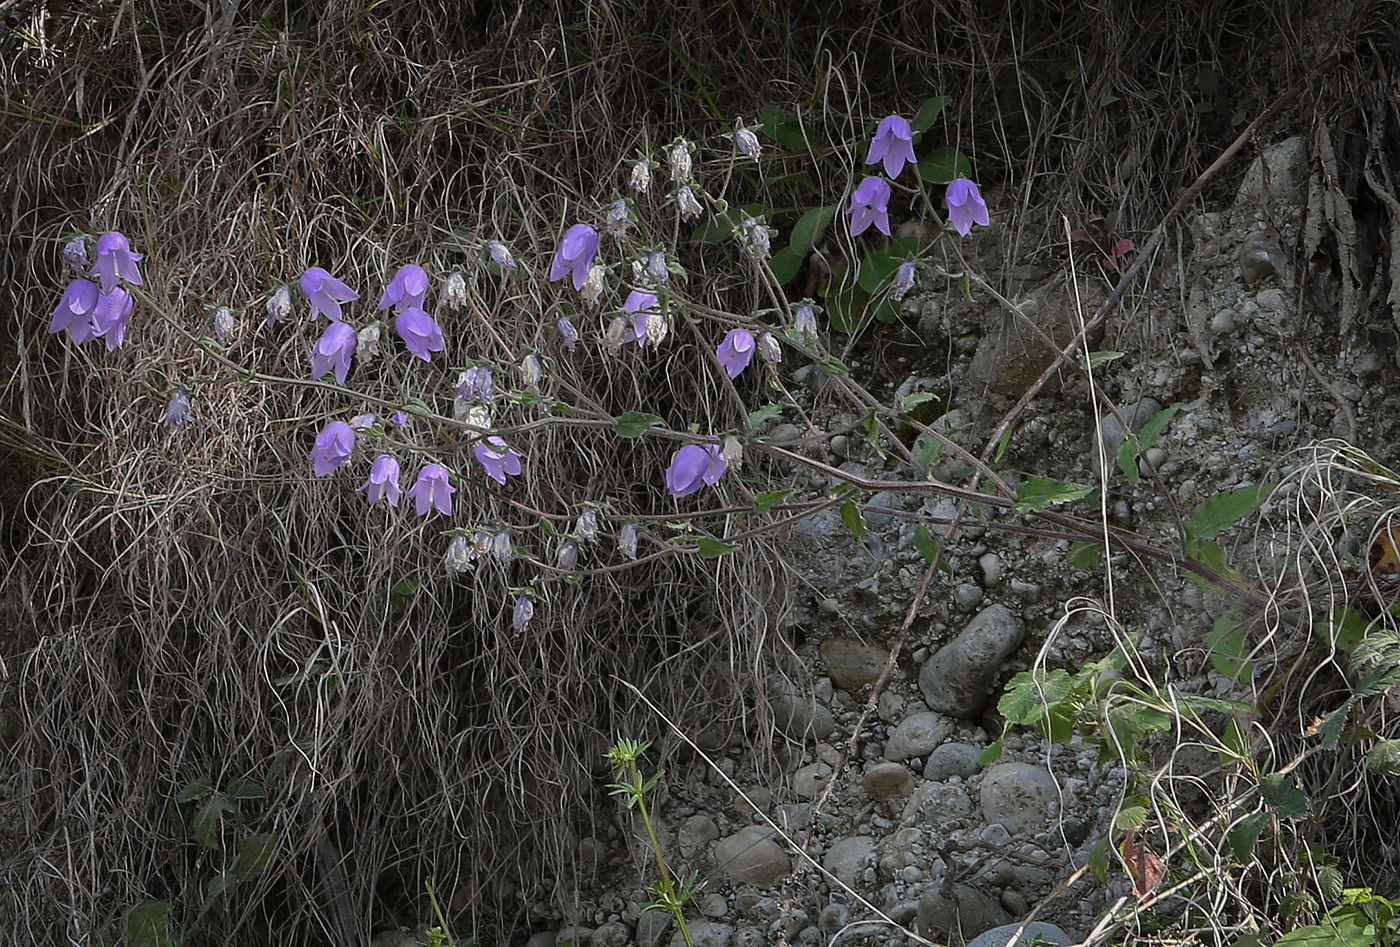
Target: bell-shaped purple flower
(383,481)
(693,467)
(177,413)
(965,206)
(498,459)
(568,335)
(74,310)
(893,144)
(399,417)
(332,353)
(575,255)
(870,204)
(75,254)
(326,293)
(110,315)
(115,260)
(407,289)
(433,490)
(736,351)
(641,306)
(334,445)
(524,611)
(419,332)
(477,384)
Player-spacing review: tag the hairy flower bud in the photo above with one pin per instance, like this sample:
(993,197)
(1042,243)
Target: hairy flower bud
(502,546)
(279,304)
(657,268)
(732,451)
(500,254)
(367,342)
(804,321)
(592,290)
(177,413)
(568,335)
(757,237)
(657,328)
(531,371)
(747,143)
(641,176)
(223,324)
(453,293)
(458,558)
(363,422)
(567,557)
(627,541)
(524,611)
(769,348)
(679,157)
(478,416)
(619,333)
(75,254)
(587,525)
(619,218)
(688,204)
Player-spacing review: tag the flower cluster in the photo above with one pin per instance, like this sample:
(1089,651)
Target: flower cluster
(92,310)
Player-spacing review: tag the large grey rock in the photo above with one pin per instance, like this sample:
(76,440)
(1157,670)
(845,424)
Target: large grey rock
(1001,936)
(611,934)
(800,717)
(704,934)
(917,735)
(953,759)
(936,804)
(969,912)
(848,858)
(752,856)
(695,833)
(887,780)
(956,678)
(851,663)
(1019,796)
(1011,353)
(809,781)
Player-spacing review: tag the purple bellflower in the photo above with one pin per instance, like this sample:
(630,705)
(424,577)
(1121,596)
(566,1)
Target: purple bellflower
(419,332)
(477,383)
(498,459)
(524,611)
(736,351)
(334,351)
(177,413)
(965,206)
(695,466)
(399,417)
(74,311)
(568,335)
(383,482)
(433,490)
(870,204)
(893,144)
(115,260)
(407,289)
(641,306)
(334,445)
(326,293)
(574,258)
(75,254)
(110,315)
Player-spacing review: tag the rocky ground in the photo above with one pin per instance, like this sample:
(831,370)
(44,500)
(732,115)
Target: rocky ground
(895,814)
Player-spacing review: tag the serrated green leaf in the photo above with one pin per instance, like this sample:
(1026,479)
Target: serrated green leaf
(1029,697)
(1039,492)
(1384,757)
(1280,792)
(714,548)
(255,853)
(197,789)
(240,788)
(854,519)
(766,501)
(148,925)
(928,452)
(944,165)
(766,413)
(910,402)
(1130,817)
(1084,555)
(635,423)
(928,113)
(926,545)
(1329,882)
(1244,835)
(1221,512)
(1332,725)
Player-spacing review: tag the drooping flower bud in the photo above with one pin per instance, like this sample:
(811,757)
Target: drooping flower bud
(177,413)
(679,157)
(657,328)
(619,218)
(363,422)
(627,541)
(747,143)
(657,268)
(732,450)
(453,293)
(804,321)
(567,558)
(757,237)
(587,526)
(568,335)
(769,348)
(223,324)
(524,611)
(619,333)
(500,254)
(688,203)
(502,546)
(367,342)
(75,254)
(459,555)
(592,290)
(641,176)
(903,279)
(478,416)
(279,304)
(531,371)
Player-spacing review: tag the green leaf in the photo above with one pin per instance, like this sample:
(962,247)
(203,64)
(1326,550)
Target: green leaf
(197,789)
(419,407)
(1313,935)
(834,366)
(1280,792)
(219,884)
(1244,835)
(784,128)
(635,423)
(1345,629)
(766,501)
(1228,647)
(928,113)
(1108,98)
(1221,512)
(853,518)
(766,413)
(943,165)
(910,402)
(255,853)
(204,828)
(925,544)
(1098,860)
(991,754)
(1384,757)
(240,788)
(875,270)
(1329,882)
(714,548)
(928,451)
(1134,444)
(1099,358)
(808,229)
(1039,492)
(786,264)
(1084,555)
(1130,817)
(1004,443)
(148,925)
